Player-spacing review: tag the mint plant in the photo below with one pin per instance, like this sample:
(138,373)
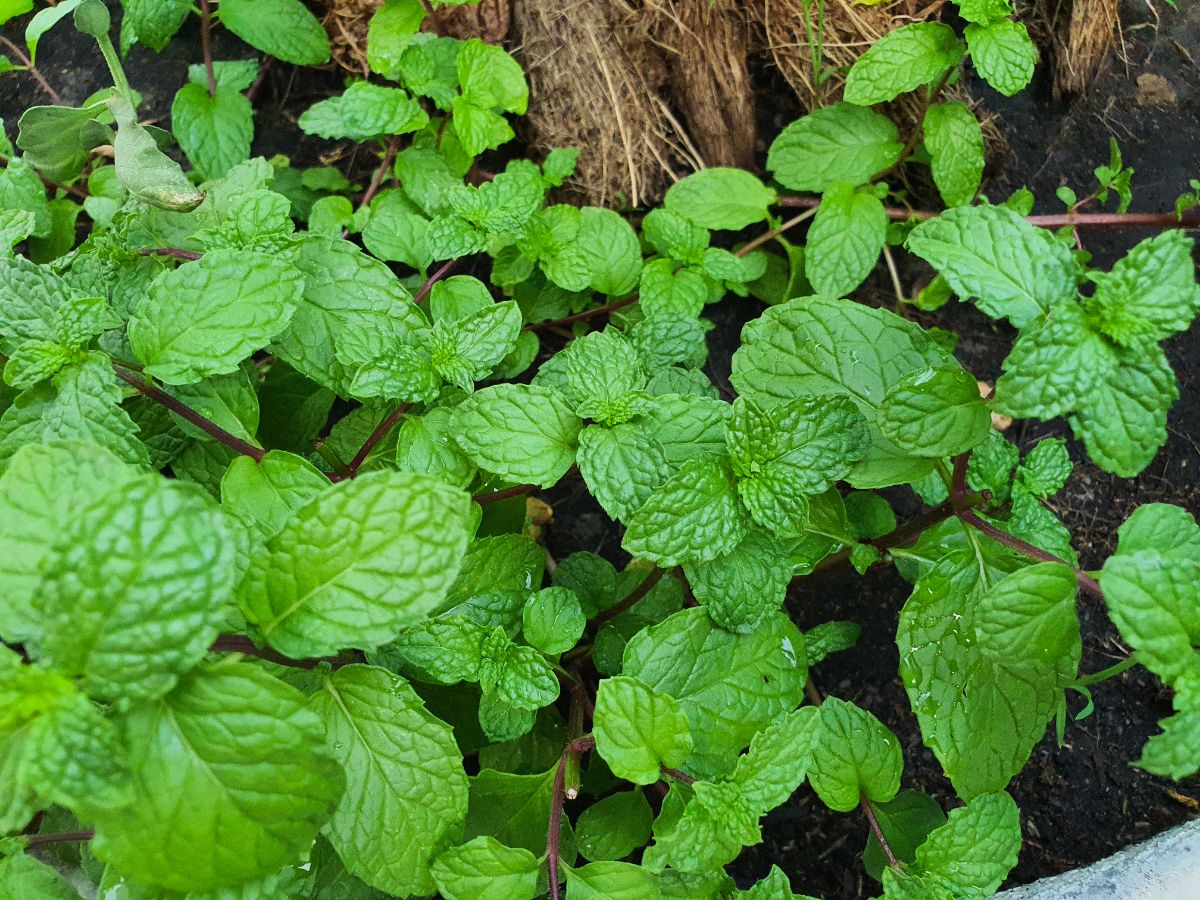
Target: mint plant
(276,620)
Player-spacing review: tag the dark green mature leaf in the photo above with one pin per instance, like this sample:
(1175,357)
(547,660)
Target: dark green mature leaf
(483,866)
(214,131)
(720,198)
(610,880)
(1013,270)
(842,142)
(231,781)
(935,413)
(855,756)
(283,28)
(901,61)
(406,791)
(135,587)
(205,317)
(1003,54)
(955,144)
(357,564)
(363,112)
(151,22)
(730,686)
(905,820)
(615,826)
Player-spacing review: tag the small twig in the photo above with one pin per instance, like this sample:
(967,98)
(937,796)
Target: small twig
(212,429)
(62,837)
(586,314)
(442,272)
(173,252)
(239,643)
(496,496)
(646,586)
(890,259)
(389,157)
(958,480)
(206,46)
(32,70)
(260,80)
(776,232)
(372,441)
(679,776)
(865,805)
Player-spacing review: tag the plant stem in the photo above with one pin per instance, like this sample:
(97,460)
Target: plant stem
(646,586)
(32,70)
(586,314)
(239,643)
(62,837)
(865,805)
(442,272)
(776,232)
(264,67)
(212,429)
(496,496)
(380,432)
(389,157)
(1111,672)
(206,46)
(554,826)
(679,776)
(915,136)
(173,252)
(1086,581)
(120,82)
(1060,220)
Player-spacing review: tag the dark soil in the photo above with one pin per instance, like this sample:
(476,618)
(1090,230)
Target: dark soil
(1079,802)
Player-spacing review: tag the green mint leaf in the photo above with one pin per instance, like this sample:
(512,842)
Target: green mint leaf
(390,32)
(404,775)
(666,292)
(819,346)
(81,403)
(622,466)
(935,413)
(902,61)
(827,638)
(135,588)
(330,323)
(693,515)
(215,131)
(1124,421)
(1030,616)
(973,852)
(363,112)
(395,232)
(675,235)
(608,246)
(603,371)
(906,821)
(1173,751)
(449,648)
(869,515)
(74,757)
(425,445)
(484,867)
(399,539)
(1055,367)
(284,29)
(553,620)
(991,466)
(231,781)
(205,317)
(457,298)
(984,12)
(24,876)
(720,198)
(744,586)
(57,140)
(491,78)
(151,22)
(15,226)
(1151,588)
(21,189)
(226,400)
(783,454)
(730,686)
(513,809)
(844,240)
(524,433)
(466,350)
(35,298)
(955,144)
(502,562)
(265,494)
(855,755)
(775,886)
(1151,292)
(1046,468)
(515,674)
(1033,522)
(779,758)
(610,880)
(1003,54)
(143,169)
(663,341)
(614,827)
(842,142)
(638,729)
(44,485)
(36,361)
(688,427)
(980,714)
(1013,270)
(479,129)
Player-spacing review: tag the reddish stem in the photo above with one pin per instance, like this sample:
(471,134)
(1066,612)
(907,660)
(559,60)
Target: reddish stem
(389,157)
(496,496)
(173,252)
(554,827)
(62,837)
(32,70)
(865,805)
(1086,581)
(646,586)
(212,429)
(583,316)
(380,432)
(683,777)
(442,272)
(239,643)
(206,46)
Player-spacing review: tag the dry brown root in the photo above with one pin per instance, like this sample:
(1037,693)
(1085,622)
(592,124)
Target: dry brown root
(597,83)
(707,43)
(346,23)
(1084,32)
(488,20)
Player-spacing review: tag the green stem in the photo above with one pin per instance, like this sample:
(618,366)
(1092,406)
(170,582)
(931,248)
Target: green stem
(118,72)
(1104,674)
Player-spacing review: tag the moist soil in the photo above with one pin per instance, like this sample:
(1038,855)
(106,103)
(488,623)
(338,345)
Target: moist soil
(1079,802)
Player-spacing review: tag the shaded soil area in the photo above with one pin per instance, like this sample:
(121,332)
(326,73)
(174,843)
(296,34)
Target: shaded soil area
(1079,802)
